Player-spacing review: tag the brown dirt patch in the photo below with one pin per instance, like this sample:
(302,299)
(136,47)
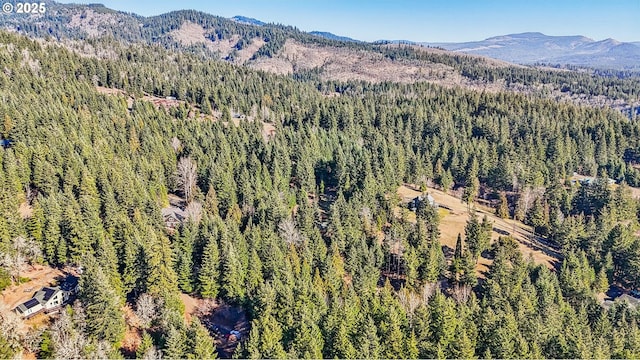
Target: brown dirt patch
(109,91)
(247,52)
(191,305)
(275,65)
(26,355)
(165,103)
(224,46)
(268,131)
(189,34)
(635,192)
(222,321)
(39,321)
(133,335)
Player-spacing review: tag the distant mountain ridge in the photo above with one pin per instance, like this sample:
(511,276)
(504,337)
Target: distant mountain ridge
(535,47)
(324,34)
(247,20)
(331,36)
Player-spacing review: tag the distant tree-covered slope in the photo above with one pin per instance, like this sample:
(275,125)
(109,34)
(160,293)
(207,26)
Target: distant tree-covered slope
(328,35)
(287,50)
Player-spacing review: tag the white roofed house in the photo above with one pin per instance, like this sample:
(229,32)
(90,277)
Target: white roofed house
(49,299)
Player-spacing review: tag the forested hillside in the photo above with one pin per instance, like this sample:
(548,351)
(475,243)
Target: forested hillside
(297,227)
(280,49)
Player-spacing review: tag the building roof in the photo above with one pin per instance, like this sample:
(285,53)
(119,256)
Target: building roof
(70,283)
(421,198)
(173,211)
(29,304)
(46,293)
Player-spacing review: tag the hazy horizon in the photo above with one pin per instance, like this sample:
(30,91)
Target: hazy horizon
(422,21)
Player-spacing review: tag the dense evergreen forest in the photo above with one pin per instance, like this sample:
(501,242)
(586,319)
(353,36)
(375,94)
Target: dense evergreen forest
(97,171)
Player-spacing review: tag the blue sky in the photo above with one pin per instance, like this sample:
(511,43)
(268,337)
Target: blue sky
(430,21)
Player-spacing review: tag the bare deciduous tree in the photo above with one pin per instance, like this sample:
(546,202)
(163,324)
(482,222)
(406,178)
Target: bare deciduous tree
(187,177)
(11,327)
(461,293)
(409,300)
(527,197)
(366,216)
(289,232)
(193,211)
(26,251)
(101,350)
(176,144)
(428,290)
(67,343)
(206,308)
(146,310)
(152,354)
(15,264)
(79,316)
(29,248)
(69,339)
(32,339)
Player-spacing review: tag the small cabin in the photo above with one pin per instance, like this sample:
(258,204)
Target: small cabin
(587,180)
(416,201)
(173,217)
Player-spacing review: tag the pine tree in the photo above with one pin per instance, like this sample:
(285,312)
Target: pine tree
(209,276)
(175,344)
(478,235)
(6,351)
(411,347)
(233,276)
(183,255)
(211,201)
(307,340)
(459,249)
(502,210)
(467,266)
(105,320)
(368,343)
(341,345)
(159,277)
(200,344)
(265,339)
(145,345)
(465,346)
